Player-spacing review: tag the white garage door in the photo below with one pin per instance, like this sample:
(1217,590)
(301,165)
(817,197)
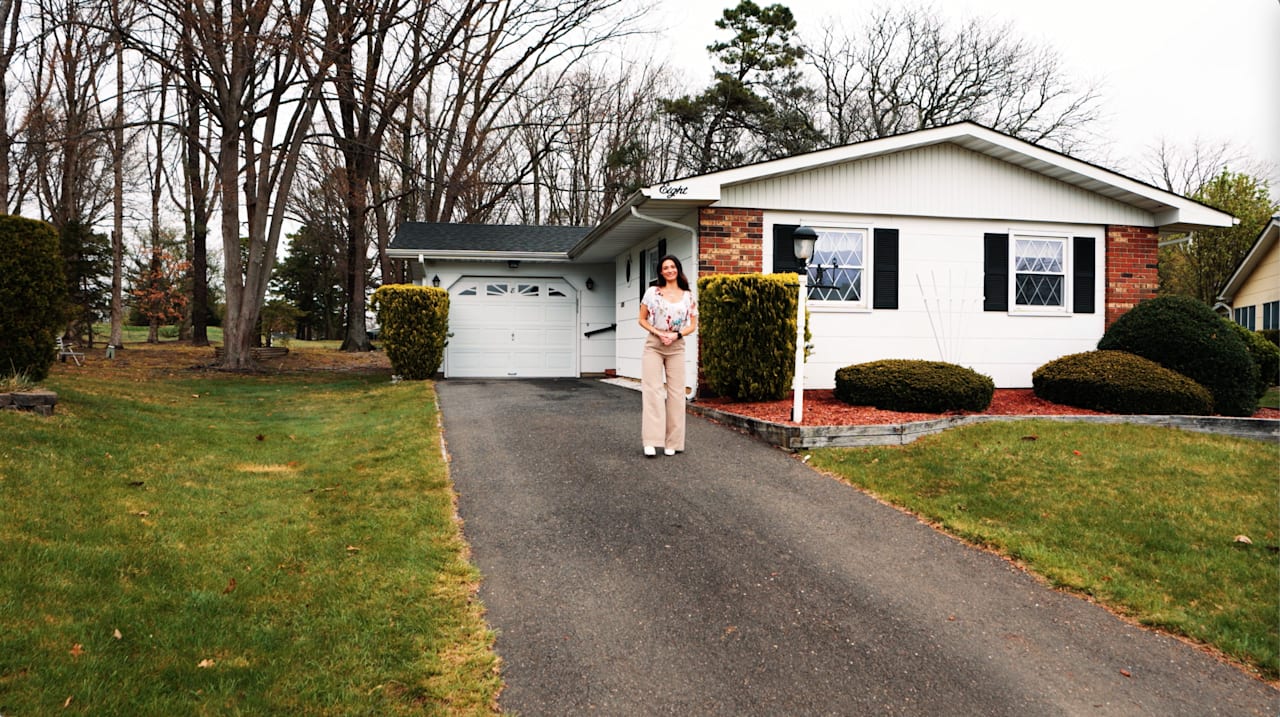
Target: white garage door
(512,327)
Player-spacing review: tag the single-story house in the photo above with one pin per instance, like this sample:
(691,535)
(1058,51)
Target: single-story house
(956,243)
(1256,283)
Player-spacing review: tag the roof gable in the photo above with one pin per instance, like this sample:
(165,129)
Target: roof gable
(1268,238)
(1164,210)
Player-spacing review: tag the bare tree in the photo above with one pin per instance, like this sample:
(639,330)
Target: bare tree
(591,139)
(470,108)
(10,43)
(68,133)
(1186,169)
(255,67)
(383,50)
(908,70)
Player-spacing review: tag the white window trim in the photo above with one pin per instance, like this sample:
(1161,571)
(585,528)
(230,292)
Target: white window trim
(863,306)
(1020,310)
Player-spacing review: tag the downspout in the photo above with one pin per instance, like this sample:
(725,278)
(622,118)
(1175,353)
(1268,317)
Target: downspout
(693,233)
(693,239)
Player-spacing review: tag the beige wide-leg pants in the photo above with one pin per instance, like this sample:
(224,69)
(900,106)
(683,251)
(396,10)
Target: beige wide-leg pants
(662,423)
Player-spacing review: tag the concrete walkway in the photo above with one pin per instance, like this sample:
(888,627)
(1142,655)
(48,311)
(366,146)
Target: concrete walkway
(733,580)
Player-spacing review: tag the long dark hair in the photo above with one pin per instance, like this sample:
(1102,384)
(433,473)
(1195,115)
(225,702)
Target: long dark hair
(681,280)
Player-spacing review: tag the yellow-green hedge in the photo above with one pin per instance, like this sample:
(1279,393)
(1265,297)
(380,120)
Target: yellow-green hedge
(415,327)
(747,324)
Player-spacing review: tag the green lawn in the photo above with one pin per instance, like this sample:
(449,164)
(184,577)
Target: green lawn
(186,543)
(1143,519)
(1270,399)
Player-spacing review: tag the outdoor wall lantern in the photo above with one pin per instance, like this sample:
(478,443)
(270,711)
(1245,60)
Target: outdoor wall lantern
(591,284)
(803,240)
(435,281)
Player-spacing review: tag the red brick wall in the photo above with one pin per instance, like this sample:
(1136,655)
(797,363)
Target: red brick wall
(730,241)
(1131,268)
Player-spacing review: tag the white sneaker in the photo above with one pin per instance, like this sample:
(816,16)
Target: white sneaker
(668,451)
(650,451)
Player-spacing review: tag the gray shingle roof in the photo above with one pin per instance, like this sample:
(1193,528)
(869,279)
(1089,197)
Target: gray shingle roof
(431,236)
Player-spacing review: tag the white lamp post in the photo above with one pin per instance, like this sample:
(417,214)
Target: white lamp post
(803,238)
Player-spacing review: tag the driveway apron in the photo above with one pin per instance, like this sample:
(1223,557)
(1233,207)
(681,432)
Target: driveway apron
(732,579)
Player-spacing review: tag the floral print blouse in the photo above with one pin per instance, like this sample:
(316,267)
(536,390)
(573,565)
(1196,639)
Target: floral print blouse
(667,316)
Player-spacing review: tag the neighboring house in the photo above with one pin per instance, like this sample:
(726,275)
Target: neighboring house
(956,243)
(1252,294)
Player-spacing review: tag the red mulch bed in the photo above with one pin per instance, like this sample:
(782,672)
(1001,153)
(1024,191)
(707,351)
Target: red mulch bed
(822,409)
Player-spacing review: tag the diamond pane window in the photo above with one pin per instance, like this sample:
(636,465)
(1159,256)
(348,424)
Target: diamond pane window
(1040,272)
(836,269)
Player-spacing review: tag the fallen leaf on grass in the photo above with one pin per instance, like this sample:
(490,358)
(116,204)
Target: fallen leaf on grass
(1243,539)
(231,585)
(261,437)
(352,549)
(117,634)
(1031,438)
(67,703)
(1076,452)
(206,663)
(77,650)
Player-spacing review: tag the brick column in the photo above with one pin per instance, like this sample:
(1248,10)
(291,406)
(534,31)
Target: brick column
(730,240)
(1132,277)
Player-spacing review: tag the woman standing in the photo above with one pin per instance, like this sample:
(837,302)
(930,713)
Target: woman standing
(668,313)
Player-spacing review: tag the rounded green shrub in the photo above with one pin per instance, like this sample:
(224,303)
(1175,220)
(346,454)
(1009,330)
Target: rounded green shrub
(415,327)
(912,385)
(1184,335)
(1119,382)
(1265,355)
(33,297)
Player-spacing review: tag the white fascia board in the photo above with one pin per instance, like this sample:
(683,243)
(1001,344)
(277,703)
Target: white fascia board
(459,255)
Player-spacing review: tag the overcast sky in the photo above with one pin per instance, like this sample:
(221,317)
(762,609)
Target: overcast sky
(1180,70)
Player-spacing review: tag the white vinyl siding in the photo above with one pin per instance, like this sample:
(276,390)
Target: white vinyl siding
(940,180)
(940,313)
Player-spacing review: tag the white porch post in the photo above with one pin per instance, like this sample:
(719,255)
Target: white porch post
(797,406)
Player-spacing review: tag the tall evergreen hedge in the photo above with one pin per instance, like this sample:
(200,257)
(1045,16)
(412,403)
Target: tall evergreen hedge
(747,324)
(415,327)
(33,296)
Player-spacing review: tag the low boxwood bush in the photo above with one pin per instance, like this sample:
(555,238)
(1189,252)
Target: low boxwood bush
(912,385)
(1119,382)
(415,327)
(1265,355)
(1185,335)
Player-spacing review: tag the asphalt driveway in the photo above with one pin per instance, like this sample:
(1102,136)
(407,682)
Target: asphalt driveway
(732,579)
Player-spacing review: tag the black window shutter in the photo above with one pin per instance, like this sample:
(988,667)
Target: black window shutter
(1082,276)
(784,251)
(884,291)
(995,279)
(644,271)
(662,251)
